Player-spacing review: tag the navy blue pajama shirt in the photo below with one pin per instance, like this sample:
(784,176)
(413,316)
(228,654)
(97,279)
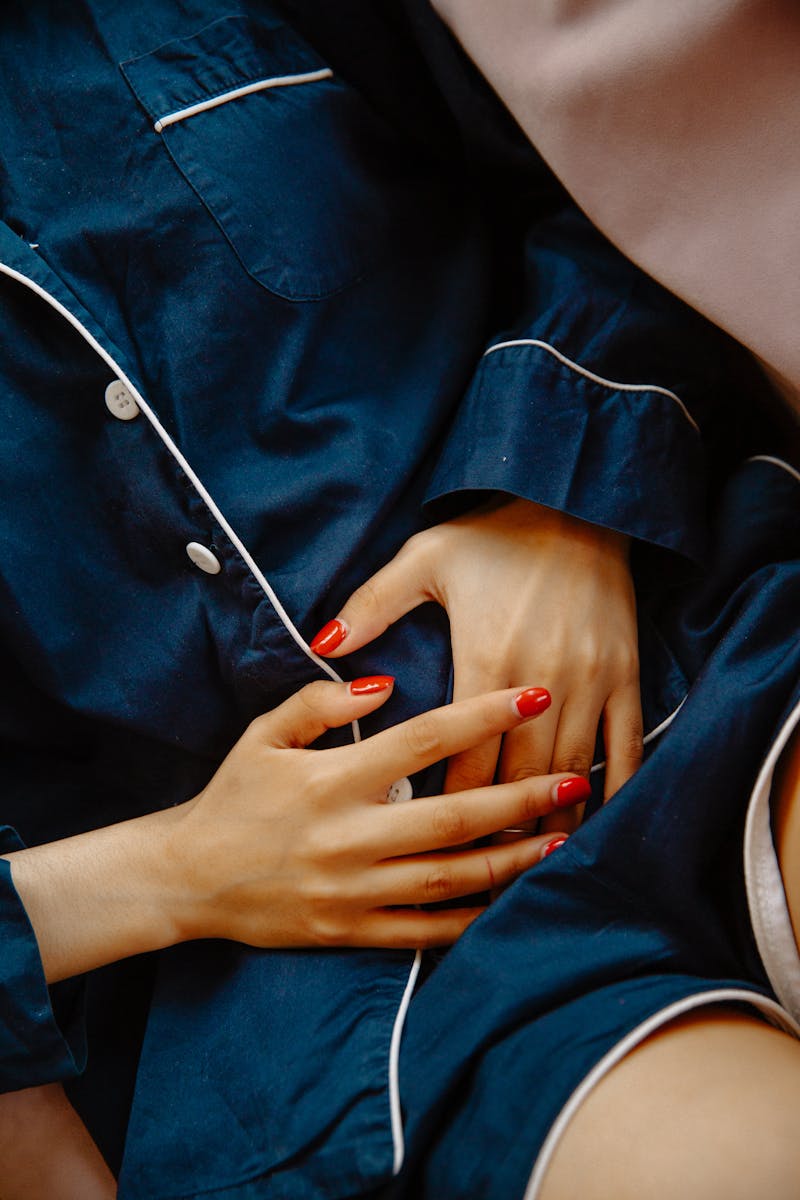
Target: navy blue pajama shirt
(279,286)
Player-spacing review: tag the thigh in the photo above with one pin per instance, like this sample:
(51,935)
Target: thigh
(705,1107)
(46,1151)
(702,1109)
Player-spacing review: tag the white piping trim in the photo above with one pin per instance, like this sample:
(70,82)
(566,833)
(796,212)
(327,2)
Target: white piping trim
(776,462)
(609,383)
(648,737)
(394,1066)
(183,463)
(395,1112)
(720,996)
(247,89)
(766,895)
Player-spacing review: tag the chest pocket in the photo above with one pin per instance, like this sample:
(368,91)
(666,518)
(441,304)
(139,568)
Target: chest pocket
(306,183)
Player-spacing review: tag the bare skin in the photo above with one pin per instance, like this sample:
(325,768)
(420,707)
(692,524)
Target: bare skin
(46,1151)
(286,846)
(705,1108)
(530,593)
(106,895)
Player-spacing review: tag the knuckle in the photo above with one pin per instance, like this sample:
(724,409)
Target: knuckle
(574,762)
(327,929)
(314,778)
(259,729)
(592,661)
(313,695)
(439,884)
(527,770)
(630,743)
(423,544)
(325,845)
(628,663)
(531,801)
(419,557)
(365,601)
(633,748)
(423,737)
(449,823)
(320,892)
(469,775)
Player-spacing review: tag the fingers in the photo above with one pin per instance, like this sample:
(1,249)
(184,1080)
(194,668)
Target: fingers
(437,734)
(476,766)
(320,706)
(472,768)
(623,733)
(528,750)
(392,592)
(573,750)
(438,822)
(432,878)
(435,878)
(412,929)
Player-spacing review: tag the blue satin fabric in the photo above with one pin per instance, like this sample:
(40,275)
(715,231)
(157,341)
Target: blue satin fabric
(302,284)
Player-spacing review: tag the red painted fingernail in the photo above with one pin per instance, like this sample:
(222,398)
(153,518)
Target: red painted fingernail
(330,637)
(554,845)
(368,685)
(532,701)
(571,791)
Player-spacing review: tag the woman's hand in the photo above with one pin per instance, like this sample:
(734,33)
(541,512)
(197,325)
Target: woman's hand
(289,846)
(309,852)
(531,593)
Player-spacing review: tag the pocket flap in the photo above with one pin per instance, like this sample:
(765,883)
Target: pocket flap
(230,54)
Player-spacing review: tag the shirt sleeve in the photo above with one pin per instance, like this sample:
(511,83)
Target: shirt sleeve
(602,395)
(42,1036)
(602,401)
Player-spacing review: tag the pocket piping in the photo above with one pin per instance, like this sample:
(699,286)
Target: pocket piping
(234,94)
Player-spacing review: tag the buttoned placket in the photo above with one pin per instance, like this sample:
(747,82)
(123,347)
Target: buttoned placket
(125,402)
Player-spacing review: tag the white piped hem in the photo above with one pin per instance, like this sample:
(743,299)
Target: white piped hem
(768,1008)
(395,1110)
(766,898)
(776,462)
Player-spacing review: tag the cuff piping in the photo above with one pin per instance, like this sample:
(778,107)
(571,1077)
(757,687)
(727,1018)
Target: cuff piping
(609,383)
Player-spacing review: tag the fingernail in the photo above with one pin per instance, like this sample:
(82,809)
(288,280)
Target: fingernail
(368,685)
(554,845)
(330,637)
(571,791)
(532,701)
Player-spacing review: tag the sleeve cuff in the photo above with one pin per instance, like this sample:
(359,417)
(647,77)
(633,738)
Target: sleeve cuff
(42,1035)
(535,424)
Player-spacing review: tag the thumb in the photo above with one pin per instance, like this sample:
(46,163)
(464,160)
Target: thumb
(401,585)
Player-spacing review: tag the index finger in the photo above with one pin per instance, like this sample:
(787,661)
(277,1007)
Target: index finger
(423,740)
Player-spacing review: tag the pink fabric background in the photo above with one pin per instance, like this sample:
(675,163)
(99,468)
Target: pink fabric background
(675,124)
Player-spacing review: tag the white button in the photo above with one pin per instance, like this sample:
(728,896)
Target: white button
(202,557)
(119,402)
(400,790)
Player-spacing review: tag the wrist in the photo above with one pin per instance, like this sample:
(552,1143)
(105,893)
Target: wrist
(101,896)
(548,522)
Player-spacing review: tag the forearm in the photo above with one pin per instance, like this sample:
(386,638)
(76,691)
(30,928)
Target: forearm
(285,846)
(100,896)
